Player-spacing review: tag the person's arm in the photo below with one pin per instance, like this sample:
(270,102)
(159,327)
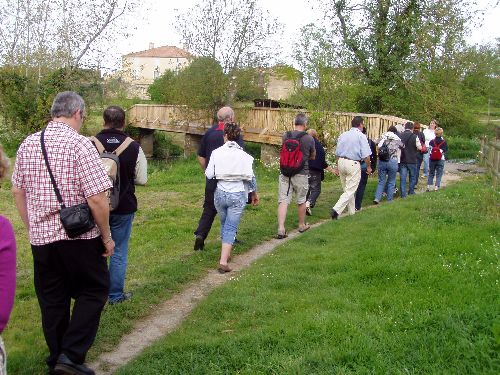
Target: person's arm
(99,207)
(141,169)
(312,152)
(22,208)
(210,170)
(203,162)
(417,143)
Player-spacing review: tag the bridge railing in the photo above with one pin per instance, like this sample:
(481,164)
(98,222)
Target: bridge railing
(490,157)
(262,125)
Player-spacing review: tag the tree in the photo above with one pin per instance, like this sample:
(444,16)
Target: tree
(236,33)
(45,34)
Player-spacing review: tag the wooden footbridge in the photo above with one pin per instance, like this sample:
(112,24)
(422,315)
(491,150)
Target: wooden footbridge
(261,125)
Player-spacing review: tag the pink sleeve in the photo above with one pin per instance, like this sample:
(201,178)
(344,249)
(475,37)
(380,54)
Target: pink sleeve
(7,270)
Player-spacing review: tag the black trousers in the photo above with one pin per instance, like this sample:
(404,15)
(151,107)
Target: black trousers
(361,190)
(209,211)
(64,270)
(314,186)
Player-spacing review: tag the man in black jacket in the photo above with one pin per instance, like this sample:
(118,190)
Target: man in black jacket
(408,163)
(133,171)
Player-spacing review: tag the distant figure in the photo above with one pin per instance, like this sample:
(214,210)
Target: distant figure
(297,183)
(423,150)
(7,268)
(212,139)
(64,268)
(388,169)
(352,149)
(429,135)
(231,167)
(360,192)
(408,164)
(317,167)
(436,166)
(133,171)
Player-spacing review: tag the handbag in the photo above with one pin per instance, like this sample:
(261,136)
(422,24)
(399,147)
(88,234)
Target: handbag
(76,219)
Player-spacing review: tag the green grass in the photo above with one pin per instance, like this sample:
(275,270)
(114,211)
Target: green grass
(460,148)
(408,287)
(161,259)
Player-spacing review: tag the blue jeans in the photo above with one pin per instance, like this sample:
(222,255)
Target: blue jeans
(387,171)
(426,163)
(230,207)
(405,170)
(436,168)
(121,226)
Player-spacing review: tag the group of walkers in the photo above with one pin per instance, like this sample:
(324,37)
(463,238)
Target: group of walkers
(76,197)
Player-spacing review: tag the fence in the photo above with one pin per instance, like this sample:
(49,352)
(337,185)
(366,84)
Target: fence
(262,125)
(490,156)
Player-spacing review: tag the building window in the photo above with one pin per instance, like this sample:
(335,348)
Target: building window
(156,73)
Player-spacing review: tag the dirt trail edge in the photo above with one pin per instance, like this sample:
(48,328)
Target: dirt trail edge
(173,311)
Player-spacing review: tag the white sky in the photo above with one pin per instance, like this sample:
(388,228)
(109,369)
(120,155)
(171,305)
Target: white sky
(158,19)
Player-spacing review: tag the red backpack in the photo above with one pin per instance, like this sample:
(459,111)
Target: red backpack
(291,157)
(436,153)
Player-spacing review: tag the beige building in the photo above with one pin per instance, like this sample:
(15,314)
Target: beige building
(140,69)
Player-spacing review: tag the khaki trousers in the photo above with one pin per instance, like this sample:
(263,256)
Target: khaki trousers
(350,175)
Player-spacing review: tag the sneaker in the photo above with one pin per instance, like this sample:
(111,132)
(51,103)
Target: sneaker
(125,297)
(334,214)
(375,201)
(199,243)
(67,366)
(308,211)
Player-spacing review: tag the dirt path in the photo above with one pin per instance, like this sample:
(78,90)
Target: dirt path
(173,311)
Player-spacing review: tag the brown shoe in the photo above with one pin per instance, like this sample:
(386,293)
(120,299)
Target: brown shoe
(223,268)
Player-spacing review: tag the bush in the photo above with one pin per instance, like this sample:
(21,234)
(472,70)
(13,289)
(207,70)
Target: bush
(462,148)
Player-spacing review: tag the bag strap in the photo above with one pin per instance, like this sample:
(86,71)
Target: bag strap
(123,146)
(97,144)
(54,185)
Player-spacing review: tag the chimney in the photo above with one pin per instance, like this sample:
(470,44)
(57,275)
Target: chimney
(151,45)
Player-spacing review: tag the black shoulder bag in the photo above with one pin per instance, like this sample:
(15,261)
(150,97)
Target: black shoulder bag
(76,220)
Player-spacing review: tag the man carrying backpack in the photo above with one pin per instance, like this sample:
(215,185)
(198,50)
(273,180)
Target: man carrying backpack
(131,170)
(352,149)
(296,151)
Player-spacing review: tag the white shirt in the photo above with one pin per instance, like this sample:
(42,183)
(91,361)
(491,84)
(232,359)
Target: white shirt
(429,136)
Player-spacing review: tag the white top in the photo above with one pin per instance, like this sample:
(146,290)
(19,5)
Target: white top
(429,136)
(231,166)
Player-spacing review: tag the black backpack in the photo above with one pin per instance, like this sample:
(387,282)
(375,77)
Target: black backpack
(383,152)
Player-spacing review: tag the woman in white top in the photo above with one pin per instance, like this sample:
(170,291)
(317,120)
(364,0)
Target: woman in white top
(429,135)
(232,167)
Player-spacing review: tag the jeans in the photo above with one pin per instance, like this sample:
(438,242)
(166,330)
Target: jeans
(420,159)
(360,192)
(426,163)
(436,168)
(314,186)
(230,207)
(121,226)
(405,170)
(387,171)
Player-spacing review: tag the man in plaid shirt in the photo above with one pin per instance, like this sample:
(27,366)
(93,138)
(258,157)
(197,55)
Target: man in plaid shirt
(65,268)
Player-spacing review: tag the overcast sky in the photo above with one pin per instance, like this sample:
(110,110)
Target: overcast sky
(159,16)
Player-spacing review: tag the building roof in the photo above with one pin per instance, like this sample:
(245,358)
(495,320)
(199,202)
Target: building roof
(164,51)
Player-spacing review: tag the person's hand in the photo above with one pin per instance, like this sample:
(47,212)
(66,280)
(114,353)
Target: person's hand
(255,199)
(109,247)
(369,170)
(336,171)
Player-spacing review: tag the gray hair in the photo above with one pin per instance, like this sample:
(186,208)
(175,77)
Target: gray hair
(66,104)
(301,119)
(225,114)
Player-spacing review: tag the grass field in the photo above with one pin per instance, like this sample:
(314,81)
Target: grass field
(408,287)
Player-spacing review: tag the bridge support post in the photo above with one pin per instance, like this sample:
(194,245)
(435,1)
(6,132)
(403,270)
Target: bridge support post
(146,139)
(270,154)
(191,144)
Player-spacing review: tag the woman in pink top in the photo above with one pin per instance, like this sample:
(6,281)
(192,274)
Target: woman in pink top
(7,269)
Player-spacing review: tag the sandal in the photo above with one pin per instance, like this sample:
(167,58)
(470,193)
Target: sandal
(280,236)
(304,228)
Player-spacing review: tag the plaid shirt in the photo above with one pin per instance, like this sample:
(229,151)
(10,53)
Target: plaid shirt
(78,172)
